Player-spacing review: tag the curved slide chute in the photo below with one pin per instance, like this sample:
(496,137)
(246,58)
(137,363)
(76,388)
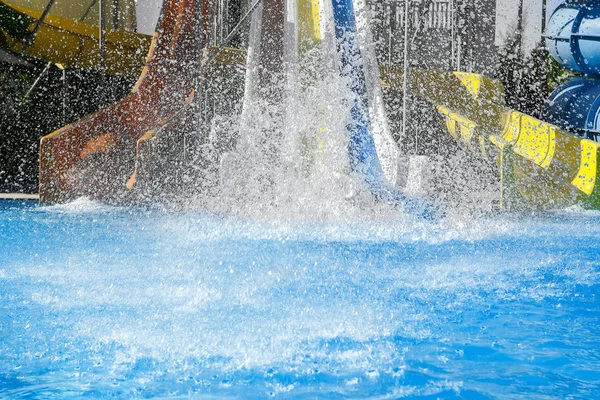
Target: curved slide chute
(97,155)
(364,160)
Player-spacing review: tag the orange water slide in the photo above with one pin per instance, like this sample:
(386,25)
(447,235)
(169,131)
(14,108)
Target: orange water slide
(96,156)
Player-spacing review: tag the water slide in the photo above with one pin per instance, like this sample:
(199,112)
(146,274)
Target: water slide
(572,38)
(101,155)
(66,33)
(546,163)
(364,156)
(107,155)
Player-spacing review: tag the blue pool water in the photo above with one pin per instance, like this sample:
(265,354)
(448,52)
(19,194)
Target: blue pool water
(98,301)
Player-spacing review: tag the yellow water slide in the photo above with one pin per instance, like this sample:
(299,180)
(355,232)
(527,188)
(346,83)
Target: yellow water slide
(69,34)
(541,165)
(86,11)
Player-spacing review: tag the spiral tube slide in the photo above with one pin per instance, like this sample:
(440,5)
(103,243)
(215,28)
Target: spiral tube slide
(364,160)
(573,40)
(573,36)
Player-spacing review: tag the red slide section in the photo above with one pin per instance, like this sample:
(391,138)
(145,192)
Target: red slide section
(101,155)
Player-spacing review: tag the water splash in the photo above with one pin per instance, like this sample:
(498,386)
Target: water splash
(292,154)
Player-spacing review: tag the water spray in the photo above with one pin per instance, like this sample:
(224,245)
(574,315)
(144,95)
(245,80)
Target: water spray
(363,155)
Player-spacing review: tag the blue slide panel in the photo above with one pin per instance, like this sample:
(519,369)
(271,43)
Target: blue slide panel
(362,151)
(575,107)
(573,36)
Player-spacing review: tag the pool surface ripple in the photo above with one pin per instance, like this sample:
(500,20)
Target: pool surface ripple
(99,301)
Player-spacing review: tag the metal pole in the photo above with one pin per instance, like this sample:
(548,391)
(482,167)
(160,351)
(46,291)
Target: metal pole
(390,32)
(37,26)
(102,50)
(458,52)
(452,38)
(115,14)
(101,39)
(65,96)
(544,11)
(405,81)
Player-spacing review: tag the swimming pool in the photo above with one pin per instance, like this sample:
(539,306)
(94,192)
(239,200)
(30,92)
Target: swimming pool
(99,301)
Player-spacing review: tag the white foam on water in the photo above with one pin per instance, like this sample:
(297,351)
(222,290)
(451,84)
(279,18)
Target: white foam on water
(248,294)
(156,295)
(80,205)
(297,261)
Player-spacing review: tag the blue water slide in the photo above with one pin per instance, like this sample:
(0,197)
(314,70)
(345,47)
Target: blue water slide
(363,155)
(575,107)
(573,36)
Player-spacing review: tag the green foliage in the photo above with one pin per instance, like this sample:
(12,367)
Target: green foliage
(528,79)
(556,73)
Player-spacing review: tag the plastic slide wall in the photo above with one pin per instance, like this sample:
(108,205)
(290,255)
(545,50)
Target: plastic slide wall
(364,159)
(99,156)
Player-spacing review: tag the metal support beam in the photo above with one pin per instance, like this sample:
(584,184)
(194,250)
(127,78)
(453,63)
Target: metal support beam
(87,11)
(36,82)
(29,41)
(101,38)
(115,14)
(102,52)
(544,11)
(406,72)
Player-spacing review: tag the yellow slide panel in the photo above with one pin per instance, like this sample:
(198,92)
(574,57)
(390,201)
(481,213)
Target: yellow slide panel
(470,81)
(74,44)
(309,24)
(536,141)
(512,127)
(461,128)
(76,9)
(588,169)
(552,168)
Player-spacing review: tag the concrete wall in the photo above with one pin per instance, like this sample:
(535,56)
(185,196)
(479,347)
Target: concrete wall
(507,19)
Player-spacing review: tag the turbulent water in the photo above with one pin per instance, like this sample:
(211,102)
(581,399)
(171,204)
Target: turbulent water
(98,301)
(296,284)
(292,148)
